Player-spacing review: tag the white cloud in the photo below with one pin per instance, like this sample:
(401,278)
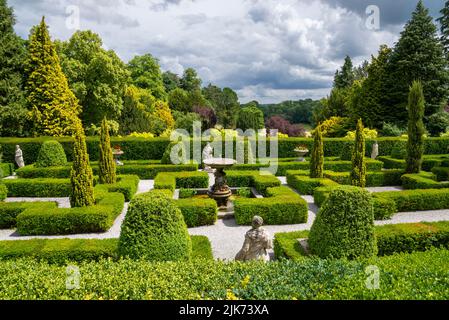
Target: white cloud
(264,49)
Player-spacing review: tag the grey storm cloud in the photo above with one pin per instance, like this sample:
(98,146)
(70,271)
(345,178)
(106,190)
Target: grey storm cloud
(392,12)
(267,50)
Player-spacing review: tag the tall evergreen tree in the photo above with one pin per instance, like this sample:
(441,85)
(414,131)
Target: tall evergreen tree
(107,173)
(418,55)
(81,176)
(54,107)
(415,145)
(444,27)
(250,117)
(12,55)
(317,161)
(344,77)
(358,173)
(367,103)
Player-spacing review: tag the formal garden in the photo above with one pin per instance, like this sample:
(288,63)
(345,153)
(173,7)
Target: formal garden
(138,206)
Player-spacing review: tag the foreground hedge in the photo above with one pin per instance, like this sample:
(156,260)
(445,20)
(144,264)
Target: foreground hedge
(6,169)
(418,200)
(62,251)
(198,212)
(147,149)
(400,276)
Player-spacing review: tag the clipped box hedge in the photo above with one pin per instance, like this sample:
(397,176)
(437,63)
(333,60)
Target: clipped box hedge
(306,185)
(335,165)
(441,173)
(63,251)
(10,210)
(373,179)
(418,200)
(154,148)
(3,192)
(261,182)
(429,162)
(41,220)
(39,188)
(143,171)
(281,206)
(185,180)
(55,188)
(198,212)
(384,208)
(6,169)
(391,239)
(422,180)
(412,237)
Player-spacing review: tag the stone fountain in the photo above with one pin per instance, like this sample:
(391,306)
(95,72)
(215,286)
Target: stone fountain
(220,191)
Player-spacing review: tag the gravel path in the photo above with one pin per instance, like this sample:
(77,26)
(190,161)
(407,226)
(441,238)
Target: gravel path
(226,236)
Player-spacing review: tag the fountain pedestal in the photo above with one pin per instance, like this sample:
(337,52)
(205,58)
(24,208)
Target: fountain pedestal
(220,191)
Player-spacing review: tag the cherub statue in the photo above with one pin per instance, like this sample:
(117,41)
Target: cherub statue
(19,157)
(207,154)
(257,242)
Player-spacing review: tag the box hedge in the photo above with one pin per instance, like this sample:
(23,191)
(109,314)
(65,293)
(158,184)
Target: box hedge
(198,212)
(149,149)
(42,220)
(54,188)
(142,170)
(306,185)
(422,180)
(418,200)
(3,192)
(281,206)
(64,251)
(177,180)
(154,230)
(391,239)
(51,154)
(373,179)
(429,162)
(10,210)
(384,208)
(441,173)
(6,169)
(261,182)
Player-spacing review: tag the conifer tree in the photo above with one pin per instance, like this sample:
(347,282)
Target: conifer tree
(107,165)
(358,173)
(12,55)
(344,78)
(54,107)
(415,145)
(418,55)
(317,161)
(444,27)
(81,176)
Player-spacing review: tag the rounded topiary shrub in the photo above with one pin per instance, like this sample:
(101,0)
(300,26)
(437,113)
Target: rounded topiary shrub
(344,226)
(154,229)
(3,192)
(51,154)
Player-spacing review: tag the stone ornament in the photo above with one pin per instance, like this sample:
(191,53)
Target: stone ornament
(257,242)
(19,157)
(375,152)
(207,154)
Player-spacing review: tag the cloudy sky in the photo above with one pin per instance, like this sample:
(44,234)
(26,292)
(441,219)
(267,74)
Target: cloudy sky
(268,50)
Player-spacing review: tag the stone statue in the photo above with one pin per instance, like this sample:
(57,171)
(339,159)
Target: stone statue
(257,242)
(375,152)
(19,157)
(207,154)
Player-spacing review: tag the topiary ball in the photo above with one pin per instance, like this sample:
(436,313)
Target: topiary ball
(344,226)
(3,192)
(154,230)
(51,154)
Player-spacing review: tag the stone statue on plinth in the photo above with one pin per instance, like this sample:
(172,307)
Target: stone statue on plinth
(257,242)
(375,152)
(19,157)
(207,154)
